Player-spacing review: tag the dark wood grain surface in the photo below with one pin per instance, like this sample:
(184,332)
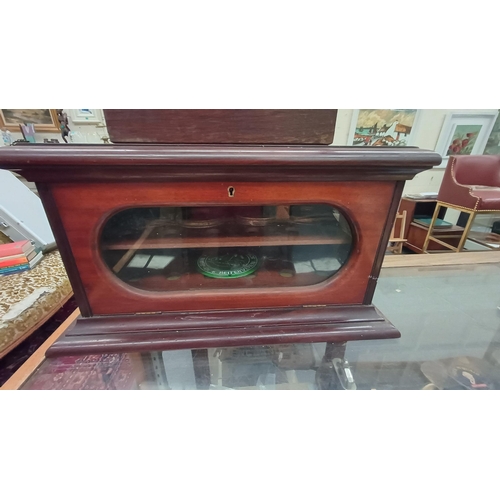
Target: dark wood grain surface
(221,126)
(111,163)
(223,329)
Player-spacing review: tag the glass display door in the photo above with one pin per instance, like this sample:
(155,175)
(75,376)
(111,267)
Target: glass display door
(191,248)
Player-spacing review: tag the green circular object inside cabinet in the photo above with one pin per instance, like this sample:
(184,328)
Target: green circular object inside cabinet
(228,265)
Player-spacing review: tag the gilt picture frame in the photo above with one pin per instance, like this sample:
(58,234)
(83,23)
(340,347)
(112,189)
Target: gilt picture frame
(44,120)
(465,134)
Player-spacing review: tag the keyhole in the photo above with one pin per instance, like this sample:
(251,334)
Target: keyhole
(231,191)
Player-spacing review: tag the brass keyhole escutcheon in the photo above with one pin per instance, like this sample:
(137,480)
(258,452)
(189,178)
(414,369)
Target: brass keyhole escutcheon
(231,191)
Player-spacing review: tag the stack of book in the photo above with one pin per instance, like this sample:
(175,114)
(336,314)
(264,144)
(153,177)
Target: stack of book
(17,257)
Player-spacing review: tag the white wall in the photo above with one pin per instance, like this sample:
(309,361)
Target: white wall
(427,135)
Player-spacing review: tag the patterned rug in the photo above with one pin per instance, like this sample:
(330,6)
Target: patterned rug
(93,372)
(96,372)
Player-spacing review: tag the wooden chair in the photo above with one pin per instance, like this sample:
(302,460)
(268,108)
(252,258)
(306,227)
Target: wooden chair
(396,243)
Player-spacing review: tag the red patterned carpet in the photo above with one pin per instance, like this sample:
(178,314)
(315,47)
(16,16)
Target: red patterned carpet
(94,372)
(110,371)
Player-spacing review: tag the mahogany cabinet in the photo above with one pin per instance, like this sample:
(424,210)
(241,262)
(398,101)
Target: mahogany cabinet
(189,246)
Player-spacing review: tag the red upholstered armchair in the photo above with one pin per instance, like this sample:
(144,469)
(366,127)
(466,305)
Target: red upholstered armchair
(470,184)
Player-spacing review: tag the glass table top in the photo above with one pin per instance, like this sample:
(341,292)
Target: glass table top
(449,319)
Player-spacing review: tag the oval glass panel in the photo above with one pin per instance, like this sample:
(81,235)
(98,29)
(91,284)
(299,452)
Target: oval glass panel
(202,248)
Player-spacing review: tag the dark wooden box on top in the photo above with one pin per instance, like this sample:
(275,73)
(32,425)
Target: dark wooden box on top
(191,246)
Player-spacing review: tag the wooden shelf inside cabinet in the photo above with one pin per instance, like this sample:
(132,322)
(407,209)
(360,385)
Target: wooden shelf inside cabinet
(228,241)
(196,281)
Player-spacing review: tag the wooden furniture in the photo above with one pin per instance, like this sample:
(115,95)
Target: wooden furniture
(471,184)
(396,242)
(416,232)
(221,126)
(139,226)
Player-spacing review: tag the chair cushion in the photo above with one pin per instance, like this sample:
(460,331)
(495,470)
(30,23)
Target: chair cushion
(489,197)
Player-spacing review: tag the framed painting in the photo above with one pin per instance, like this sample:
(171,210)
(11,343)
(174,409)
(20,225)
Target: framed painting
(493,143)
(85,115)
(45,120)
(465,134)
(383,127)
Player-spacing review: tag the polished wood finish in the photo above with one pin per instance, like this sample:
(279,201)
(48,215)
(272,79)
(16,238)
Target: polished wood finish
(82,186)
(221,126)
(366,204)
(169,331)
(64,248)
(53,163)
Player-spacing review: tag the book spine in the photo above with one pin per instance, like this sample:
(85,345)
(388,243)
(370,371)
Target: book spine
(7,270)
(12,272)
(13,262)
(8,249)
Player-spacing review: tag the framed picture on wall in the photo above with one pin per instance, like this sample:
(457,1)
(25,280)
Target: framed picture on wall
(45,120)
(464,134)
(383,127)
(493,143)
(81,116)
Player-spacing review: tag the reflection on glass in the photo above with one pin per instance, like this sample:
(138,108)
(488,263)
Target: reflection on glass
(192,248)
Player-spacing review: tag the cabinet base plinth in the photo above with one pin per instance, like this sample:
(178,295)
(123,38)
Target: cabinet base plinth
(169,331)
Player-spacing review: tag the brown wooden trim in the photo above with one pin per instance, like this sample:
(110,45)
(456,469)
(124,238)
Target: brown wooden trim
(223,319)
(36,359)
(384,240)
(79,163)
(64,248)
(226,241)
(442,259)
(257,173)
(161,332)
